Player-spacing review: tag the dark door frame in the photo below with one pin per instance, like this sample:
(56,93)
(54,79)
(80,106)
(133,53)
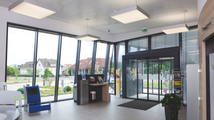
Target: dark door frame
(152,55)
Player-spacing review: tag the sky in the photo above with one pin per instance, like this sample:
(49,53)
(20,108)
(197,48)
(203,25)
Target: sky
(21,47)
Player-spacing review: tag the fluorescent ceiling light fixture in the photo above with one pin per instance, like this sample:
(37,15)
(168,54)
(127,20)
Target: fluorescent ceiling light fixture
(130,14)
(176,29)
(87,37)
(32,8)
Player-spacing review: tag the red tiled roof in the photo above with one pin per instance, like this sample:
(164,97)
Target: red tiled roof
(66,65)
(86,63)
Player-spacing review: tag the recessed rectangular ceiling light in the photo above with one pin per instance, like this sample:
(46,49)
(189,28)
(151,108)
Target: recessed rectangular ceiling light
(32,8)
(87,37)
(176,29)
(129,15)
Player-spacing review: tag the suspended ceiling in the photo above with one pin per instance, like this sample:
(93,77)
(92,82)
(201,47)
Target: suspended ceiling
(162,13)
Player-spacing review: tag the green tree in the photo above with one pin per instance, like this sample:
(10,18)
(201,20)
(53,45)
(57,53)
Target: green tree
(16,68)
(69,71)
(46,74)
(29,70)
(10,70)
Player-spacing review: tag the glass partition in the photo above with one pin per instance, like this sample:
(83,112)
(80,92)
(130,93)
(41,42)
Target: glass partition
(85,58)
(19,58)
(68,64)
(164,41)
(140,44)
(131,78)
(120,51)
(100,58)
(46,65)
(190,53)
(110,73)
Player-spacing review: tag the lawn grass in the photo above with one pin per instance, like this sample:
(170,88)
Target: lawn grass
(49,91)
(20,81)
(155,84)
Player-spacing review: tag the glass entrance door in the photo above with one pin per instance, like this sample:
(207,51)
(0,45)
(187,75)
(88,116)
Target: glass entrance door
(154,83)
(148,79)
(142,80)
(131,78)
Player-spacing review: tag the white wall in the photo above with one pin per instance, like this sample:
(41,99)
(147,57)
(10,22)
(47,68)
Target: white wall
(23,71)
(201,4)
(40,68)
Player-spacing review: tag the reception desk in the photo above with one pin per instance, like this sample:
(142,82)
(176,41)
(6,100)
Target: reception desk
(85,90)
(102,91)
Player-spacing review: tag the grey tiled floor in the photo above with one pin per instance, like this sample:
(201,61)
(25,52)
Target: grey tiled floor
(69,110)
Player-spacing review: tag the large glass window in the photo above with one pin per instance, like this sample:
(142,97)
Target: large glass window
(110,72)
(120,52)
(85,58)
(19,58)
(165,41)
(190,53)
(140,44)
(67,62)
(46,65)
(100,58)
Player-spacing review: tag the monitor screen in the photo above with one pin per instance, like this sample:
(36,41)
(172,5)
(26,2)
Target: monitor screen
(32,91)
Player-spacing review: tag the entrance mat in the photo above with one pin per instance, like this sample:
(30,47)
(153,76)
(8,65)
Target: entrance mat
(139,104)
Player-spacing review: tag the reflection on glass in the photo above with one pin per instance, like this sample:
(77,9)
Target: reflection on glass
(110,73)
(190,53)
(68,63)
(142,79)
(100,58)
(46,65)
(120,52)
(19,58)
(138,45)
(153,80)
(165,41)
(85,58)
(131,78)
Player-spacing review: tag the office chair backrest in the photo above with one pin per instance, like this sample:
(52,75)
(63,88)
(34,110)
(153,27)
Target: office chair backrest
(3,86)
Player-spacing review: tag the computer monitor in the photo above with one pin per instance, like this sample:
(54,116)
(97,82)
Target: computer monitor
(32,91)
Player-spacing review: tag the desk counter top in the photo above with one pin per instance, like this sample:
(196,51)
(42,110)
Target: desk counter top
(100,84)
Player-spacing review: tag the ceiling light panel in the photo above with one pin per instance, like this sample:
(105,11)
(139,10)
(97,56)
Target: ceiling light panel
(129,15)
(32,8)
(175,29)
(87,37)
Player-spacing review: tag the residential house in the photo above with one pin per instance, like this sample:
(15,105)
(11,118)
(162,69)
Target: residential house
(23,69)
(65,68)
(85,66)
(47,63)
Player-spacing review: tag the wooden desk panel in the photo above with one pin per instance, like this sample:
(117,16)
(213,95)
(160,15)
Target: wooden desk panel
(105,90)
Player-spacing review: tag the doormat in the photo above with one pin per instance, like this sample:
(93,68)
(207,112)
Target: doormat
(139,104)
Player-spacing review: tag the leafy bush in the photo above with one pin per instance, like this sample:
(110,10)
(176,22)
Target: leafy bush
(66,89)
(69,71)
(21,90)
(10,70)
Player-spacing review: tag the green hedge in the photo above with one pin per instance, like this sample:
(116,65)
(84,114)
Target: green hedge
(26,75)
(51,75)
(22,75)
